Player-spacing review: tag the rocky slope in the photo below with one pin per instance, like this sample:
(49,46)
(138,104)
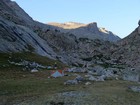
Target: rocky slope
(90,31)
(77,52)
(129,49)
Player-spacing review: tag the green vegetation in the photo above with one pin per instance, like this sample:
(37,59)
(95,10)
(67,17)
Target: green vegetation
(17,85)
(17,57)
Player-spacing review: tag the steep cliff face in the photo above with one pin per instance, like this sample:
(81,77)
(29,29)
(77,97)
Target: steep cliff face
(90,31)
(16,34)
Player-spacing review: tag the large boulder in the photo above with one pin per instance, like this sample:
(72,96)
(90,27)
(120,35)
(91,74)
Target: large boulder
(79,78)
(92,78)
(130,74)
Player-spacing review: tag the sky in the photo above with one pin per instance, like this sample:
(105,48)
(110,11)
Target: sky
(119,16)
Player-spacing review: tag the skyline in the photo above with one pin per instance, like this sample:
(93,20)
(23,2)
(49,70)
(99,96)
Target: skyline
(120,17)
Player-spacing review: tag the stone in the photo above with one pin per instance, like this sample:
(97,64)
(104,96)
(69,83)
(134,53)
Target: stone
(88,75)
(88,83)
(90,72)
(134,88)
(91,78)
(34,70)
(101,78)
(131,75)
(108,73)
(71,82)
(99,70)
(79,78)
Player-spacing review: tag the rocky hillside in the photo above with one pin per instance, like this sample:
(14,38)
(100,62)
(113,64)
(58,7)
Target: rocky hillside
(129,49)
(90,31)
(20,33)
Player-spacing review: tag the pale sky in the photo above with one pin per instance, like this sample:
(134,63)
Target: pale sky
(119,16)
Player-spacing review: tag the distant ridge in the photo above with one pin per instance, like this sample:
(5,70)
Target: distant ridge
(67,25)
(91,30)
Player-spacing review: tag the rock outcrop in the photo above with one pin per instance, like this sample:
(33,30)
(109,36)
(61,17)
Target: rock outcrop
(16,32)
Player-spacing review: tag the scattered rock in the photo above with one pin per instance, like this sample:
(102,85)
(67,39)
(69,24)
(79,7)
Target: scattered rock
(90,72)
(27,65)
(79,78)
(98,70)
(73,94)
(91,78)
(71,98)
(71,82)
(134,88)
(130,75)
(101,78)
(77,70)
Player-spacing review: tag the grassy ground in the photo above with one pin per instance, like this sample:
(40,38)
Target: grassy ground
(19,87)
(24,88)
(17,57)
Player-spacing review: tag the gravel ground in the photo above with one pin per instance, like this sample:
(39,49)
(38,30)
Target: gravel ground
(72,98)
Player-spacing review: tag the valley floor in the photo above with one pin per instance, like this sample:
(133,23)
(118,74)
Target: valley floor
(25,88)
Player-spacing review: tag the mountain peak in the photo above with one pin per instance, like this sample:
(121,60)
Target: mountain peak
(92,23)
